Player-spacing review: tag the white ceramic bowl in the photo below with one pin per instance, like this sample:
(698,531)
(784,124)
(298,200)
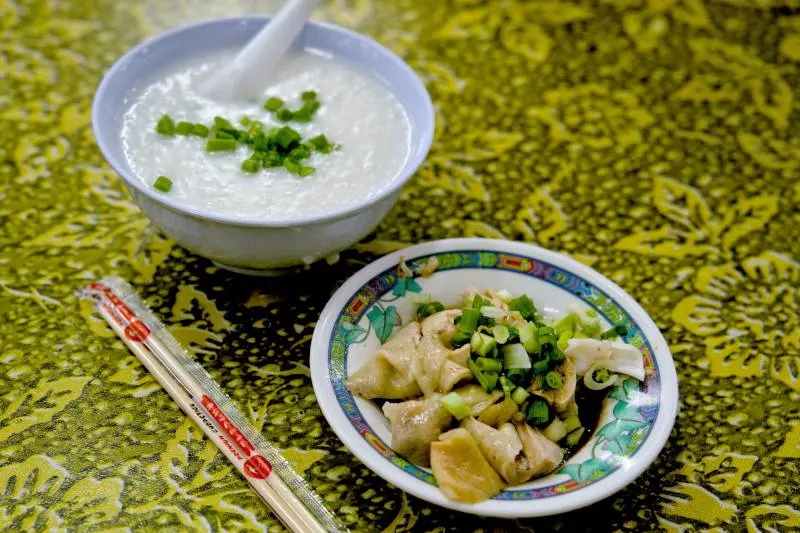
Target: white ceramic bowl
(635,420)
(257,245)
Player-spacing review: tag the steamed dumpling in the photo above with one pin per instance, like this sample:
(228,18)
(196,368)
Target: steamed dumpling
(503,450)
(436,367)
(415,425)
(614,356)
(543,455)
(462,472)
(499,413)
(388,374)
(454,369)
(561,399)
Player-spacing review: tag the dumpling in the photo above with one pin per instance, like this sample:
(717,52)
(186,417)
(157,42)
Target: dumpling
(543,455)
(561,399)
(472,394)
(433,353)
(388,374)
(415,425)
(616,357)
(462,472)
(454,369)
(499,413)
(503,450)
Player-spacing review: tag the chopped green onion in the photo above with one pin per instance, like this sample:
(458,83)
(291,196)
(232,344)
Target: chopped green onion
(321,144)
(553,380)
(255,126)
(515,356)
(165,126)
(271,159)
(220,145)
(500,334)
(487,380)
(184,128)
(481,344)
(163,184)
(564,338)
(200,130)
(520,395)
(291,166)
(478,301)
(455,405)
(284,115)
(223,124)
(273,104)
(513,334)
(546,336)
(251,165)
(286,137)
(601,375)
(306,113)
(469,320)
(529,337)
(557,356)
(555,431)
(591,313)
(518,376)
(427,309)
(572,423)
(592,329)
(565,323)
(616,331)
(490,365)
(574,436)
(540,367)
(306,171)
(525,306)
(244,121)
(460,338)
(538,413)
(301,152)
(308,95)
(506,386)
(492,312)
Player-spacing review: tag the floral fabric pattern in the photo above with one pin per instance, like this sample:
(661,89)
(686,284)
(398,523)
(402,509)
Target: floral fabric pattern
(656,140)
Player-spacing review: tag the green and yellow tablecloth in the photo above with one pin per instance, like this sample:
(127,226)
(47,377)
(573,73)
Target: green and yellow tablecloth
(655,140)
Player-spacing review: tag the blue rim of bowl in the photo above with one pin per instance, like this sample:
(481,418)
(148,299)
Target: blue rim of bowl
(399,181)
(377,286)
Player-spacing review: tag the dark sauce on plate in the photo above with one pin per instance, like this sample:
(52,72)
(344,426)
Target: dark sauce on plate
(590,405)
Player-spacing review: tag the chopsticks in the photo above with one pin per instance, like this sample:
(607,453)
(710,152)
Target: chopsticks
(205,403)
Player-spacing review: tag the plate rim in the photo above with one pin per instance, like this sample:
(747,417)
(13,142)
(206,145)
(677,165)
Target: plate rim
(331,410)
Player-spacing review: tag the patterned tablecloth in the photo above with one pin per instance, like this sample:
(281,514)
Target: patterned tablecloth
(655,140)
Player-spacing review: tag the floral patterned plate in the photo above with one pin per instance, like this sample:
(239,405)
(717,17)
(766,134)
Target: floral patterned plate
(635,420)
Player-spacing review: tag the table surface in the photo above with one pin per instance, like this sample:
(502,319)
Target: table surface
(655,140)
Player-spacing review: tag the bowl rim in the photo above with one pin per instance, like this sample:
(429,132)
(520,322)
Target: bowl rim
(600,489)
(410,167)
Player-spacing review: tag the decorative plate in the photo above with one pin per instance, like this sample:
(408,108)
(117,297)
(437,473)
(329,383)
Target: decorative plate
(635,420)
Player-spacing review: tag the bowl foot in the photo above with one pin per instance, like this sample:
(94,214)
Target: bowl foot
(260,272)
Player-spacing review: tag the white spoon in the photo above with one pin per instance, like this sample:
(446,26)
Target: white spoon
(246,77)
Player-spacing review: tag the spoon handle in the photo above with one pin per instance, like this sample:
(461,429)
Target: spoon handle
(249,72)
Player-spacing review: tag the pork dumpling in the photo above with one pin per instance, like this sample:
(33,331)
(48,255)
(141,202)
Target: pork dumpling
(543,455)
(472,394)
(454,369)
(560,398)
(462,472)
(415,425)
(433,353)
(503,450)
(388,374)
(499,413)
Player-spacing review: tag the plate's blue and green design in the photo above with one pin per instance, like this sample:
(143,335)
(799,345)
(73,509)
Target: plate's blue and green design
(633,406)
(657,141)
